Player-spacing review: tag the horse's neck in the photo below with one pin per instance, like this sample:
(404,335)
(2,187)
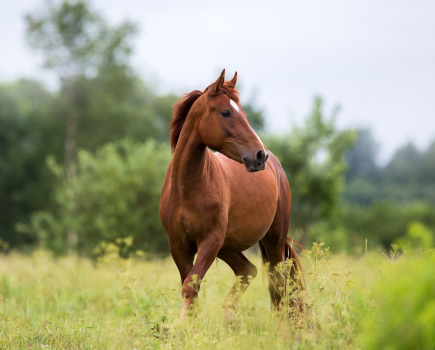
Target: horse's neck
(190,159)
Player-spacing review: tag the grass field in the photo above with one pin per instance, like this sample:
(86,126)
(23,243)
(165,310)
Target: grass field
(370,302)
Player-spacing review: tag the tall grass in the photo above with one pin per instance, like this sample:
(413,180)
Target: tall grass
(75,303)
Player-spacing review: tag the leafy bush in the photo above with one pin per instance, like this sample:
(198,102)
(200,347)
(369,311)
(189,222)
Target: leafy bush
(28,130)
(386,221)
(403,316)
(382,224)
(116,194)
(312,156)
(418,236)
(337,237)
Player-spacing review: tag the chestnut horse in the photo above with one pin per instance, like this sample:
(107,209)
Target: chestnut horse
(220,204)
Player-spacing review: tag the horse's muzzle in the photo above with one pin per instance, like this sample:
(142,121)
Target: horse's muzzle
(258,164)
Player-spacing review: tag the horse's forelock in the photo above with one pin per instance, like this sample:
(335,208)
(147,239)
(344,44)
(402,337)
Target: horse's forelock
(231,92)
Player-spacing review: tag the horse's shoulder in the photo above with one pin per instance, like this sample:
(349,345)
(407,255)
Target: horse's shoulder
(222,159)
(167,179)
(274,163)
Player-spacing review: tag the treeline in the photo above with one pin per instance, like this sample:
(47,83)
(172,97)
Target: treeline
(84,164)
(384,204)
(408,176)
(32,142)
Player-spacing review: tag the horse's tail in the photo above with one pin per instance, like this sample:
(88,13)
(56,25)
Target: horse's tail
(264,258)
(296,271)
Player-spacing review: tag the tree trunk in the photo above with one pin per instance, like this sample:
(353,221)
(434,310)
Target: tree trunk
(70,149)
(70,135)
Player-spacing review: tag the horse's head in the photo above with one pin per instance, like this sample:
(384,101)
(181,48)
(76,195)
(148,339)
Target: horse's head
(223,126)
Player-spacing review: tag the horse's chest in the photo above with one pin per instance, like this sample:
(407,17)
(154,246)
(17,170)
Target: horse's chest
(193,220)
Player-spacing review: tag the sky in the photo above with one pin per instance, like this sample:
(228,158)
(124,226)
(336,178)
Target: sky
(374,58)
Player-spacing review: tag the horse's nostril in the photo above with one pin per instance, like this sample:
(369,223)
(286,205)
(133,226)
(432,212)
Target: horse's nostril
(260,157)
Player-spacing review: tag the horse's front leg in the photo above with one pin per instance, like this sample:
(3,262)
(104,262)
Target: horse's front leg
(183,258)
(207,252)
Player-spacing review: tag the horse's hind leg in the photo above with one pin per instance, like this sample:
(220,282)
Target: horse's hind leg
(242,268)
(282,282)
(275,249)
(275,254)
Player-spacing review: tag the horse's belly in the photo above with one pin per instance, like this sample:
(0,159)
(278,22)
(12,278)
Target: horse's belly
(254,200)
(245,236)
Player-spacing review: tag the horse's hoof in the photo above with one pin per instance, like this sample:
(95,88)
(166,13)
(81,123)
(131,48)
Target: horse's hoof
(229,315)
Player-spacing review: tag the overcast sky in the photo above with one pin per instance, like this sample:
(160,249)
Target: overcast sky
(375,58)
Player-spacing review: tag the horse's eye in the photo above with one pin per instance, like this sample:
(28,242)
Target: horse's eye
(225,113)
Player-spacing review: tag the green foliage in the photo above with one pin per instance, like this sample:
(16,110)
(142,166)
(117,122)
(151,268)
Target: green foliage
(99,101)
(403,312)
(383,222)
(75,40)
(418,236)
(338,236)
(313,159)
(362,157)
(255,116)
(427,169)
(112,107)
(76,43)
(115,194)
(113,252)
(28,127)
(407,177)
(401,168)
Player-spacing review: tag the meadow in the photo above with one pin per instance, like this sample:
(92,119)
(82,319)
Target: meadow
(369,302)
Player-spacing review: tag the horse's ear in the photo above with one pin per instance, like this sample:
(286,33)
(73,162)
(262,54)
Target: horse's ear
(217,86)
(233,82)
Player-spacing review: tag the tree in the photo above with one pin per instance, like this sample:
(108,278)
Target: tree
(361,158)
(407,177)
(75,42)
(428,166)
(255,116)
(28,132)
(363,176)
(313,159)
(404,166)
(116,194)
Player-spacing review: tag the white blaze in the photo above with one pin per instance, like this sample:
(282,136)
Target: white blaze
(236,107)
(257,138)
